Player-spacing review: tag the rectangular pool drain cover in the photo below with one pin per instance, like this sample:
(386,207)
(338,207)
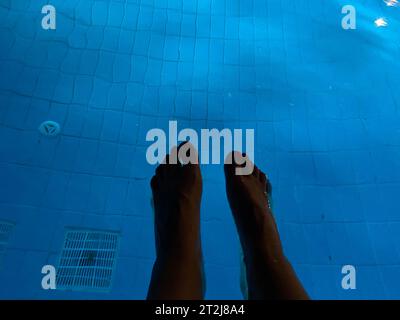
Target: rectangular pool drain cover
(87,260)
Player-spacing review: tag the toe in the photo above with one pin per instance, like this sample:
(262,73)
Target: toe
(187,154)
(229,163)
(236,161)
(189,160)
(168,167)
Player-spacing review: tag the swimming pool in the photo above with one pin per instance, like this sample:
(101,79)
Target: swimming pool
(321,99)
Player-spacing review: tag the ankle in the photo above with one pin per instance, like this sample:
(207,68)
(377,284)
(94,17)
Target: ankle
(262,238)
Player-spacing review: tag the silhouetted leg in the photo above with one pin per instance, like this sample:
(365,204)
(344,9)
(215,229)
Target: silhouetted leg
(269,273)
(178,269)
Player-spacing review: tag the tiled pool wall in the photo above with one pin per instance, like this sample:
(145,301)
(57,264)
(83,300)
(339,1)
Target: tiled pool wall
(324,103)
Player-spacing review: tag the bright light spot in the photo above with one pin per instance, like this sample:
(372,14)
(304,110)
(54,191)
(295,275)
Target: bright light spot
(381,22)
(392,3)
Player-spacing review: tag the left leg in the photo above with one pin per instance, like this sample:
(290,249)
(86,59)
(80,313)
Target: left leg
(178,269)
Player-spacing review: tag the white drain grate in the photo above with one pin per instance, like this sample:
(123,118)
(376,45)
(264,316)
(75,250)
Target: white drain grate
(5,231)
(87,260)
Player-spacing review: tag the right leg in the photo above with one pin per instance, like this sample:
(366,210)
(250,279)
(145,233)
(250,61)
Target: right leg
(268,272)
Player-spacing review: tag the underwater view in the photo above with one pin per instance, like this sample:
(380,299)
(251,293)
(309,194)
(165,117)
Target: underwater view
(95,93)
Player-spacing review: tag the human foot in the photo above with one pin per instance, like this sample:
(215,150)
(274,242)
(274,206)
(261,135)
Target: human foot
(269,274)
(177,190)
(249,197)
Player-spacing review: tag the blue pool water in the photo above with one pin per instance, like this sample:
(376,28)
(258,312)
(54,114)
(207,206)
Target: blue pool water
(324,103)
